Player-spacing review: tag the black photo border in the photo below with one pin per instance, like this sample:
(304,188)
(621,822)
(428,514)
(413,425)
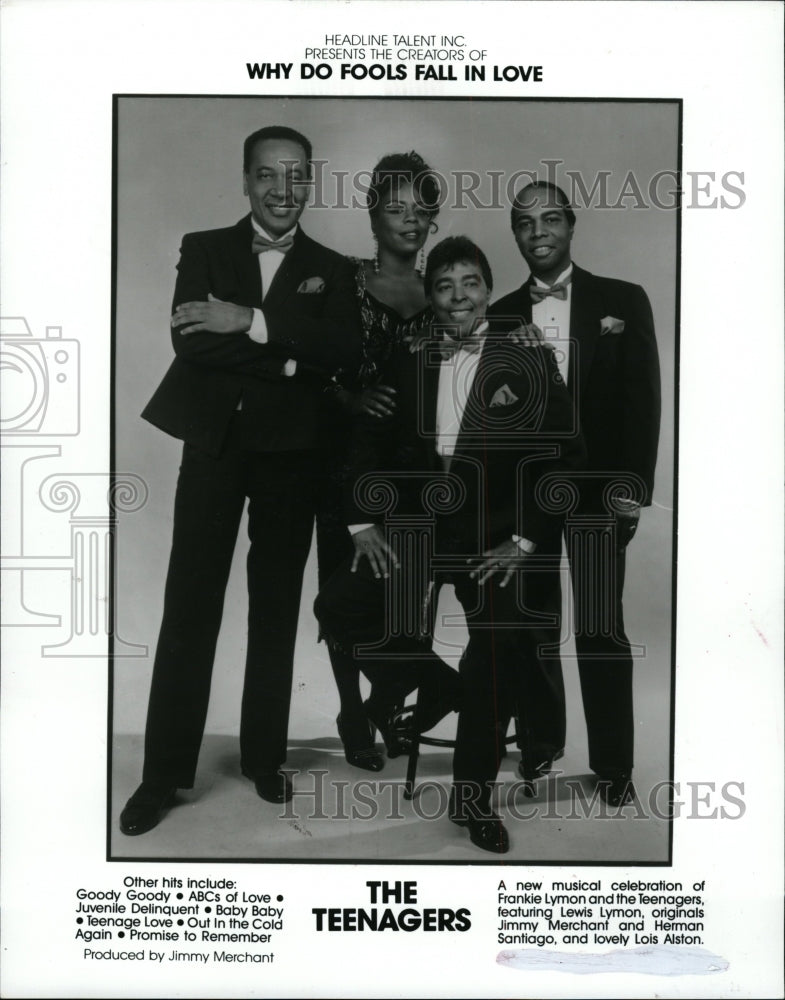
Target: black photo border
(116,99)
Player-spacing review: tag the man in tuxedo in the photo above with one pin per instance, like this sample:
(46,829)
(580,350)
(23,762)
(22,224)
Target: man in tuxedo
(478,427)
(262,317)
(601,331)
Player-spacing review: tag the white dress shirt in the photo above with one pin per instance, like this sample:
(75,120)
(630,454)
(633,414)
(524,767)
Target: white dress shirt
(456,378)
(269,262)
(552,316)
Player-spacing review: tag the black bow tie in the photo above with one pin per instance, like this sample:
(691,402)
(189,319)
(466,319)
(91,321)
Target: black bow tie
(261,244)
(558,291)
(449,347)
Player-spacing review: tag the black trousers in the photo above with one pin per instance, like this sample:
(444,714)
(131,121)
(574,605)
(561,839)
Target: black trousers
(510,664)
(281,488)
(597,567)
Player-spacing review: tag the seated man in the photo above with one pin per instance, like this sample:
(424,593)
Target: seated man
(479,422)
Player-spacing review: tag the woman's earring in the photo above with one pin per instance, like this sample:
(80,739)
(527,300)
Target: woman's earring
(375,254)
(421,262)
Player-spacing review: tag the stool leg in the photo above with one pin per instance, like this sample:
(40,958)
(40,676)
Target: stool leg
(414,753)
(411,770)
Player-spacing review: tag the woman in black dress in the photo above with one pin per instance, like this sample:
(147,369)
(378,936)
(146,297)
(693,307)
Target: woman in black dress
(403,201)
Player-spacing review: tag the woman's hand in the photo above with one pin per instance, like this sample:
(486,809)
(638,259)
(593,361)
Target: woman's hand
(371,543)
(505,558)
(375,401)
(529,335)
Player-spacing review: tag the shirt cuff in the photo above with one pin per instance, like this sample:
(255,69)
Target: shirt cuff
(524,544)
(354,528)
(258,330)
(624,505)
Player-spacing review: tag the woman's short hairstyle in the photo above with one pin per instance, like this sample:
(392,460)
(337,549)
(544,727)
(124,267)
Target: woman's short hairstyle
(408,168)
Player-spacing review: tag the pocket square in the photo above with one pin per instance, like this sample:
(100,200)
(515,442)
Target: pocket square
(504,396)
(609,324)
(311,286)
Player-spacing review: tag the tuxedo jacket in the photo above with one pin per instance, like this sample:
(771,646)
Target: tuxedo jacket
(517,427)
(311,316)
(614,378)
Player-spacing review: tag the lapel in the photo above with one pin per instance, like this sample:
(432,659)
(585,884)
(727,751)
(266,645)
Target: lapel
(474,412)
(428,368)
(246,263)
(523,301)
(586,309)
(289,271)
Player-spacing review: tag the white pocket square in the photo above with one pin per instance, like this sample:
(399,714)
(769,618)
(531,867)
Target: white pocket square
(504,397)
(609,324)
(311,286)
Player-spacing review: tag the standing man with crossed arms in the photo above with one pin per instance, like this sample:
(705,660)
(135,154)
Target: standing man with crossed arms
(262,317)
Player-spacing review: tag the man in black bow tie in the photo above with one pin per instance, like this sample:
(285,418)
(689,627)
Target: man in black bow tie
(480,429)
(262,317)
(602,334)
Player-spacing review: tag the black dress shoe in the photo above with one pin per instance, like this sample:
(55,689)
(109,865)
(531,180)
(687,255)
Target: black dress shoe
(395,732)
(145,808)
(486,829)
(487,832)
(368,758)
(531,772)
(272,786)
(616,791)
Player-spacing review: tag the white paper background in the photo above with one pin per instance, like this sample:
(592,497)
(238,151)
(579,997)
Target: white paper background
(62,61)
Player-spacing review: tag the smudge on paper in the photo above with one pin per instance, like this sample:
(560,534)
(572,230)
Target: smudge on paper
(656,960)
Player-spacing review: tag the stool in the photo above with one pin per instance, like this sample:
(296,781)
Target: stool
(431,741)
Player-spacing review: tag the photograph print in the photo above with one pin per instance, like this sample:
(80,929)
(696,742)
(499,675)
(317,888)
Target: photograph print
(399,379)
